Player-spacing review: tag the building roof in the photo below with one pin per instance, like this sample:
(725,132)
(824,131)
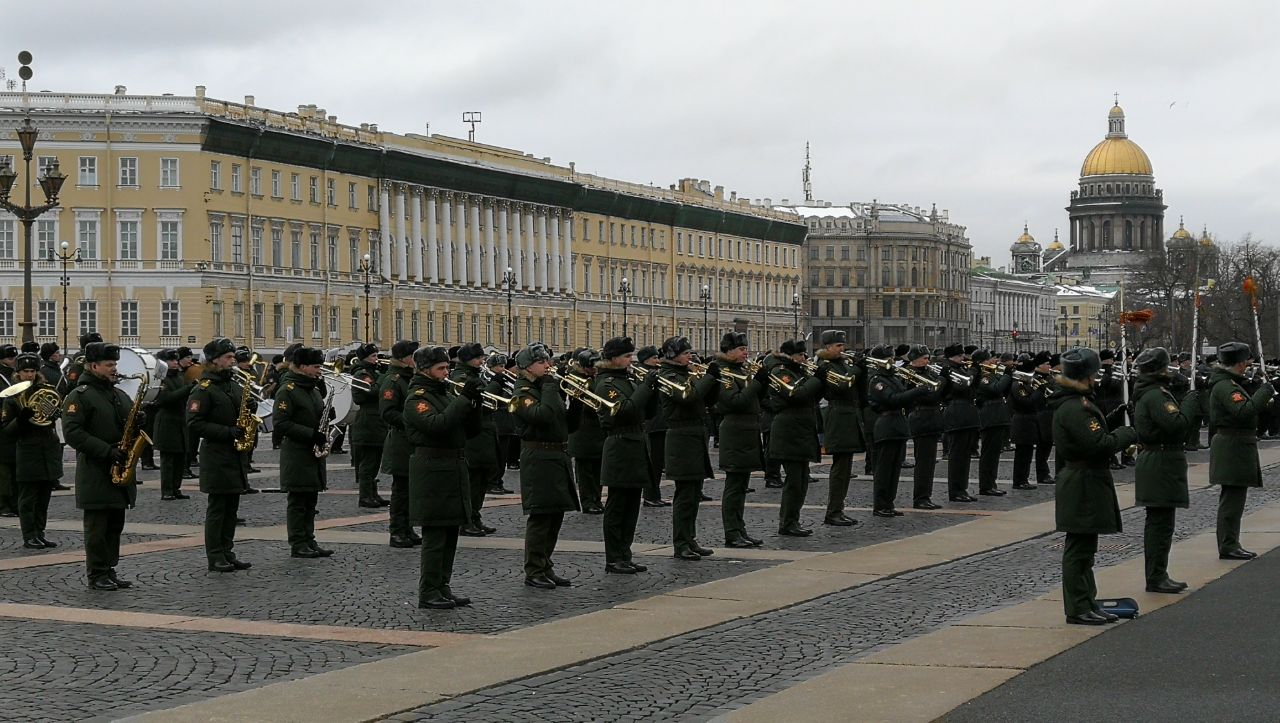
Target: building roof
(1116,154)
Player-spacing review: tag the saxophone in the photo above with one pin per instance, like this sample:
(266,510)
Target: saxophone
(132,441)
(329,431)
(246,420)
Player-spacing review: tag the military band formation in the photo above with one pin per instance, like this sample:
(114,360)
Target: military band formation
(446,423)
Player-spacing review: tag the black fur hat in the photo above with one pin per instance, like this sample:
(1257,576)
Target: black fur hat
(1233,352)
(97,351)
(675,346)
(1080,363)
(306,356)
(1153,360)
(217,347)
(403,348)
(467,352)
(646,352)
(733,340)
(618,346)
(833,336)
(426,357)
(792,346)
(953,350)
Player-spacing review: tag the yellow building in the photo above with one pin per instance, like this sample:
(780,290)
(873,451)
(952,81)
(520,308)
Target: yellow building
(1084,316)
(197,217)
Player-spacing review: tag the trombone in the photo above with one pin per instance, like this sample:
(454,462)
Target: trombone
(578,388)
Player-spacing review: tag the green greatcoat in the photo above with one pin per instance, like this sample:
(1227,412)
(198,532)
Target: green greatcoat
(738,405)
(482,447)
(38,451)
(626,455)
(842,425)
(212,411)
(794,434)
(992,390)
(1086,493)
(686,457)
(93,417)
(438,423)
(546,478)
(1233,453)
(169,409)
(397,448)
(297,416)
(587,441)
(367,429)
(1162,422)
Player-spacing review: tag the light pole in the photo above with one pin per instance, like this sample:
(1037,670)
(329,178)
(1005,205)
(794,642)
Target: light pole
(66,257)
(365,267)
(624,289)
(50,183)
(706,299)
(795,316)
(509,283)
(981,323)
(1064,330)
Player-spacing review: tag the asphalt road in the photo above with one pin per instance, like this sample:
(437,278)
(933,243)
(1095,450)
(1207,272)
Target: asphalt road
(1212,657)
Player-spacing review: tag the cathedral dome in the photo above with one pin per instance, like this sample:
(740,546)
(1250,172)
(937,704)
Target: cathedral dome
(1055,245)
(1025,243)
(1181,238)
(1116,154)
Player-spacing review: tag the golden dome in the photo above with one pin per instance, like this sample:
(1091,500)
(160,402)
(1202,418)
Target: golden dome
(1116,111)
(1116,156)
(1204,238)
(1055,245)
(1025,238)
(1182,231)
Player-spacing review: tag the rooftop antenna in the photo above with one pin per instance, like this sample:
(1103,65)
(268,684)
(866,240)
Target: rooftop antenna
(9,83)
(472,117)
(804,174)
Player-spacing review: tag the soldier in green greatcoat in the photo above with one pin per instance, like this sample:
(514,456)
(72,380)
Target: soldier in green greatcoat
(738,405)
(368,432)
(396,450)
(8,488)
(299,417)
(793,438)
(37,453)
(438,423)
(1233,448)
(655,429)
(93,421)
(891,398)
(212,412)
(170,435)
(586,443)
(546,481)
(1162,421)
(1086,504)
(684,404)
(482,447)
(842,425)
(625,458)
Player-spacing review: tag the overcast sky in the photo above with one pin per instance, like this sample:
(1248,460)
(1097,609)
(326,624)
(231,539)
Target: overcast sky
(984,108)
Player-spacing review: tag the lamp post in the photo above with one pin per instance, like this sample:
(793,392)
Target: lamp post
(66,257)
(706,299)
(50,183)
(624,289)
(509,283)
(795,316)
(981,323)
(365,267)
(1064,330)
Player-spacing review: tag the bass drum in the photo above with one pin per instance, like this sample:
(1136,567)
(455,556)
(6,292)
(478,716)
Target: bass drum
(344,406)
(140,363)
(266,410)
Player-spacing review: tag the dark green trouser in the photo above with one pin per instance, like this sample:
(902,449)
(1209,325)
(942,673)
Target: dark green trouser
(1079,591)
(621,511)
(478,480)
(795,486)
(841,471)
(220,527)
(399,509)
(541,532)
(1193,433)
(869,424)
(657,448)
(732,503)
(684,514)
(962,443)
(367,458)
(102,530)
(33,507)
(8,489)
(300,519)
(926,449)
(887,471)
(439,547)
(193,451)
(587,472)
(993,439)
(1230,510)
(171,466)
(1157,540)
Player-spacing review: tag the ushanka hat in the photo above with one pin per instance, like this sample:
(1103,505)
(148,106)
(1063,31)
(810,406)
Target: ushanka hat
(1080,363)
(1233,353)
(531,355)
(832,336)
(97,351)
(675,346)
(307,356)
(618,346)
(733,340)
(428,356)
(218,347)
(1154,360)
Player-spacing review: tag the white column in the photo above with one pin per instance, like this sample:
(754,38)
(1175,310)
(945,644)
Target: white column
(491,256)
(402,235)
(557,258)
(415,232)
(384,221)
(460,239)
(531,251)
(478,260)
(446,237)
(517,245)
(544,258)
(432,250)
(566,241)
(504,247)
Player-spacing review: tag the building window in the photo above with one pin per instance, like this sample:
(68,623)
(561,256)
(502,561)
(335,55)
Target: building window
(215,242)
(255,240)
(413,325)
(377,324)
(353,252)
(6,317)
(315,250)
(8,233)
(87,237)
(46,238)
(431,326)
(373,198)
(237,243)
(88,316)
(129,171)
(277,320)
(88,171)
(315,189)
(170,240)
(277,246)
(844,308)
(255,181)
(275,184)
(399,322)
(888,308)
(295,329)
(333,320)
(355,323)
(330,192)
(128,232)
(259,323)
(294,191)
(215,175)
(46,317)
(295,248)
(235,178)
(169,173)
(128,318)
(351,197)
(237,318)
(333,251)
(831,307)
(170,321)
(844,252)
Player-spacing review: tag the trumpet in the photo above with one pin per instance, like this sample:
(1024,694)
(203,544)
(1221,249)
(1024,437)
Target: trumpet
(854,357)
(777,384)
(342,377)
(1035,380)
(915,378)
(579,388)
(880,363)
(697,370)
(751,367)
(727,378)
(638,372)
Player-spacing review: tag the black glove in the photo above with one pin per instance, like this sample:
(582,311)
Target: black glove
(55,414)
(141,418)
(651,379)
(237,433)
(333,414)
(118,456)
(762,376)
(26,413)
(319,439)
(473,390)
(713,370)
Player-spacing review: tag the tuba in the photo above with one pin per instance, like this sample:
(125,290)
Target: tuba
(44,403)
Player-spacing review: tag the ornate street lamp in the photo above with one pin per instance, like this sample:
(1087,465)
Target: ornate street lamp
(365,268)
(795,316)
(66,256)
(624,289)
(706,329)
(509,283)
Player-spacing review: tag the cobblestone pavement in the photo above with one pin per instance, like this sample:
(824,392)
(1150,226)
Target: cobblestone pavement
(65,671)
(11,542)
(367,586)
(711,671)
(260,510)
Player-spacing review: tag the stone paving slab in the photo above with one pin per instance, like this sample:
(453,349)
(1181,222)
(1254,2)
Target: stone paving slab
(258,510)
(68,541)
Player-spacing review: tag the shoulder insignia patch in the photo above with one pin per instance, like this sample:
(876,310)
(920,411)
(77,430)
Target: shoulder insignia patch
(282,405)
(71,408)
(204,383)
(388,394)
(1170,407)
(879,386)
(1022,392)
(1237,397)
(1094,426)
(613,393)
(418,392)
(423,407)
(194,406)
(528,401)
(290,386)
